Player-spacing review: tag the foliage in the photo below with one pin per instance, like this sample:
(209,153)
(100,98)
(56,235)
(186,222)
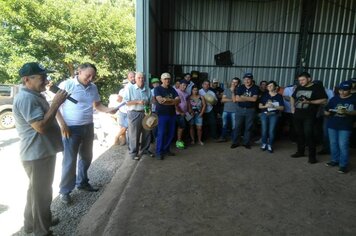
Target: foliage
(61,34)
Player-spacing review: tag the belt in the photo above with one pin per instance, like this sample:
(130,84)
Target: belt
(137,111)
(246,107)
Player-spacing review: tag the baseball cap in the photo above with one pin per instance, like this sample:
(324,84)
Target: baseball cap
(165,75)
(346,85)
(33,68)
(248,75)
(183,81)
(154,80)
(215,81)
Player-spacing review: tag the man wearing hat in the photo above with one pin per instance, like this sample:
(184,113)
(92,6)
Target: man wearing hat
(77,126)
(246,98)
(40,141)
(138,98)
(341,111)
(167,98)
(305,102)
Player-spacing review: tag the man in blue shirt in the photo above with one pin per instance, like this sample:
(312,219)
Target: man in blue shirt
(167,98)
(137,98)
(246,98)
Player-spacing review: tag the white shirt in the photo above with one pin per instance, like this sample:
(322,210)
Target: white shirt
(82,112)
(209,107)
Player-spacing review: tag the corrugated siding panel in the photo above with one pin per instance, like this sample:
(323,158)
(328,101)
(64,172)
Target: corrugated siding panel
(248,48)
(333,42)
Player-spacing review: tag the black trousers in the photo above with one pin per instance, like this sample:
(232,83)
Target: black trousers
(304,127)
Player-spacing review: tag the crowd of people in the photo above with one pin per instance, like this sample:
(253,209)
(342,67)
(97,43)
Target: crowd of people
(245,111)
(170,111)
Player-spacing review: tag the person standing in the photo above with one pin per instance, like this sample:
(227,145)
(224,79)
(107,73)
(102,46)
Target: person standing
(271,104)
(198,105)
(40,141)
(209,118)
(340,111)
(76,122)
(188,77)
(287,115)
(138,98)
(181,110)
(167,98)
(229,113)
(246,98)
(305,102)
(122,115)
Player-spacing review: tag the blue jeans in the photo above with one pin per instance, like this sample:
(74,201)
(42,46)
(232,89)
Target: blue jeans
(339,146)
(268,123)
(165,133)
(79,142)
(229,117)
(245,116)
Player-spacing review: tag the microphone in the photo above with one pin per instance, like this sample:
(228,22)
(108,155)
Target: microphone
(55,88)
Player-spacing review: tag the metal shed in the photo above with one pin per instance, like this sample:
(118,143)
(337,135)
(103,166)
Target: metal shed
(273,39)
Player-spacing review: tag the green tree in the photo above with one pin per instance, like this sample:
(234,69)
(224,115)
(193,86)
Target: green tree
(64,33)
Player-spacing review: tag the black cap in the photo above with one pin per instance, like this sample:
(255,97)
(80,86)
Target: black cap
(33,68)
(248,75)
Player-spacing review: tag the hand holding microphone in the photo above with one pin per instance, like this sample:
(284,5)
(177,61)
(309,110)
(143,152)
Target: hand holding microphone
(55,88)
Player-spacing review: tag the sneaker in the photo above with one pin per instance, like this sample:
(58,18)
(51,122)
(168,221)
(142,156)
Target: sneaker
(136,158)
(297,154)
(331,164)
(159,157)
(342,170)
(234,145)
(201,143)
(269,148)
(180,144)
(264,147)
(88,188)
(65,198)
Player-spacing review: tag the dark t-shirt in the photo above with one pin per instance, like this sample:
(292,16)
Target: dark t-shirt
(312,92)
(338,121)
(277,100)
(247,92)
(165,93)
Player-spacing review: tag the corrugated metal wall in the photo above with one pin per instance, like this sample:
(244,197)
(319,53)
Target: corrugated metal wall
(333,50)
(264,37)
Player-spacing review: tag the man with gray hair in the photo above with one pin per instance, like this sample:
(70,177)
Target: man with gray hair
(40,141)
(137,98)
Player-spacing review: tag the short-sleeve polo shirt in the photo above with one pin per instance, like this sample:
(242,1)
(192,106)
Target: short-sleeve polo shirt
(82,112)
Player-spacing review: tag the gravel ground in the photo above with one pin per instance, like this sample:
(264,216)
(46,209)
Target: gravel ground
(100,173)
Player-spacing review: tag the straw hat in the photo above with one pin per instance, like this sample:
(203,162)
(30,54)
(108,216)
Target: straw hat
(210,99)
(150,121)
